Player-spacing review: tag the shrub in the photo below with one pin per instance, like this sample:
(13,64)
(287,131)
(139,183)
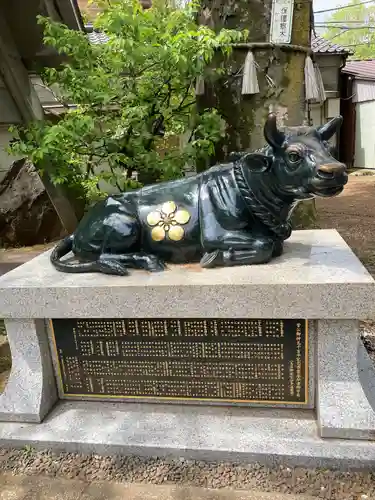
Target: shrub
(133,96)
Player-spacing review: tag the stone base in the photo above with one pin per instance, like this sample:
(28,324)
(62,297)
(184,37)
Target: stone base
(318,278)
(345,400)
(203,433)
(31,389)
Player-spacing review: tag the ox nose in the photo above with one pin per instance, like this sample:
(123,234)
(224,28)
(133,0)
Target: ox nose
(331,169)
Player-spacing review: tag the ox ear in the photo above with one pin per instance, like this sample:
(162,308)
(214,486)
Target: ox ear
(329,129)
(272,134)
(256,162)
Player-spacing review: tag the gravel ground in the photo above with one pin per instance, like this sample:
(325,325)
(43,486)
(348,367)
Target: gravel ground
(368,337)
(314,482)
(5,360)
(5,356)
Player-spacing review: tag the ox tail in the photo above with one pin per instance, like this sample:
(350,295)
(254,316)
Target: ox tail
(105,266)
(63,248)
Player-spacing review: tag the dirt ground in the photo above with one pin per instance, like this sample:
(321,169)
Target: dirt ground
(352,213)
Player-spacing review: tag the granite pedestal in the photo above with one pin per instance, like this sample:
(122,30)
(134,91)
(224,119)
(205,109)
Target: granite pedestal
(318,279)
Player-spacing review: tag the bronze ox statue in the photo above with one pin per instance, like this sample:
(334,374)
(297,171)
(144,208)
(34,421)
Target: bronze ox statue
(232,214)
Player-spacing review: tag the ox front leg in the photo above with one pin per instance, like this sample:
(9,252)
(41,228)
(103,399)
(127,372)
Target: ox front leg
(278,248)
(239,253)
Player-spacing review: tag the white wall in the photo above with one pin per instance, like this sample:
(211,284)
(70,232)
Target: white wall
(321,113)
(317,114)
(363,90)
(8,110)
(365,135)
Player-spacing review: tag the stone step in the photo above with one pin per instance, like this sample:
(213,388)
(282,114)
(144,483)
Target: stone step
(199,432)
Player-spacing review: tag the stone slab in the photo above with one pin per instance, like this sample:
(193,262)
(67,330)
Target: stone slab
(317,277)
(343,409)
(31,389)
(203,433)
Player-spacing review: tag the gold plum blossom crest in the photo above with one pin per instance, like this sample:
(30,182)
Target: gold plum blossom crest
(168,221)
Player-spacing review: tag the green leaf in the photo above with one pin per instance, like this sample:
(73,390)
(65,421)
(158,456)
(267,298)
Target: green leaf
(125,92)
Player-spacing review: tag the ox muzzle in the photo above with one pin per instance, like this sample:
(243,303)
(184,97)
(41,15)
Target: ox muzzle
(330,179)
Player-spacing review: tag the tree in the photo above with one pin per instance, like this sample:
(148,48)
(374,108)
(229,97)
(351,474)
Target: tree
(280,75)
(354,28)
(280,72)
(130,95)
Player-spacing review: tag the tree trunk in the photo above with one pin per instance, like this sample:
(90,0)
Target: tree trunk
(280,76)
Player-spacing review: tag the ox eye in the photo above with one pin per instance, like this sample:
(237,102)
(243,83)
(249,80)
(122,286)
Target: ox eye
(293,157)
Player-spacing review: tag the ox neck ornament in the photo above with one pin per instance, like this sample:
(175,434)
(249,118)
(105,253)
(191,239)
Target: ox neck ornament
(230,215)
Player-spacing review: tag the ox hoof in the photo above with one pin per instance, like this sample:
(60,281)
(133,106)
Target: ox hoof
(155,265)
(156,268)
(278,249)
(212,259)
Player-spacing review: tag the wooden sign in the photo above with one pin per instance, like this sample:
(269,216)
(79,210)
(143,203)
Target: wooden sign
(281,21)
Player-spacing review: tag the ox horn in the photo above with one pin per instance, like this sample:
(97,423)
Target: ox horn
(272,134)
(330,128)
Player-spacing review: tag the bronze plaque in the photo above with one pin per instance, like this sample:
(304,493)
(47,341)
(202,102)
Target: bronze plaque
(214,360)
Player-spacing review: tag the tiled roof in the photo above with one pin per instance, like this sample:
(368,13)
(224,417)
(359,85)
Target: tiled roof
(318,44)
(97,37)
(364,70)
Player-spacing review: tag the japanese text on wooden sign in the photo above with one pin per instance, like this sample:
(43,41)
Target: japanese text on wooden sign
(281,21)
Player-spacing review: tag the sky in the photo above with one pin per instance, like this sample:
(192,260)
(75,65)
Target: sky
(327,4)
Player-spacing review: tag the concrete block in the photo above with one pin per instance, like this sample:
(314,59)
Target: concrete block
(342,406)
(31,389)
(193,432)
(317,278)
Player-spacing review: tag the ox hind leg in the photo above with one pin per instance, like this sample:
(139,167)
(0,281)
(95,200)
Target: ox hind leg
(121,250)
(113,247)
